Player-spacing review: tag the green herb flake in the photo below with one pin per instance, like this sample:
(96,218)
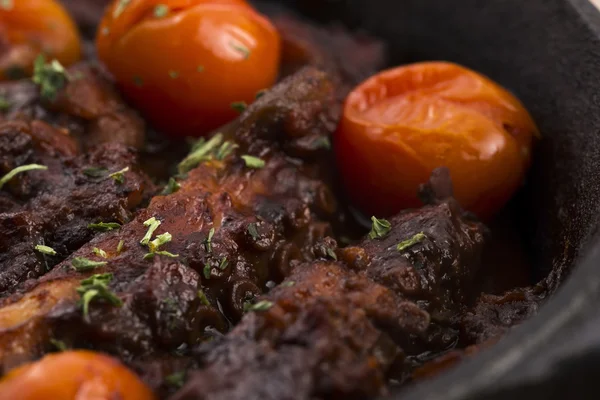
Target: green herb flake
(223,264)
(96,287)
(149,256)
(4,104)
(288,284)
(200,68)
(379,228)
(7,4)
(253,162)
(138,81)
(262,305)
(58,344)
(200,152)
(173,74)
(152,225)
(253,231)
(45,250)
(207,270)
(159,241)
(104,226)
(120,246)
(176,379)
(331,253)
(120,7)
(172,187)
(161,10)
(50,77)
(208,240)
(98,279)
(239,106)
(225,150)
(203,298)
(23,168)
(411,242)
(323,143)
(99,252)
(119,176)
(84,264)
(241,49)
(95,172)
(260,94)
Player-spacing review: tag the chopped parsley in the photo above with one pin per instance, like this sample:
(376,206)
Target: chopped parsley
(262,305)
(207,270)
(7,4)
(45,250)
(171,187)
(95,172)
(208,240)
(288,284)
(323,143)
(379,228)
(241,49)
(176,379)
(152,225)
(119,176)
(253,231)
(104,226)
(120,7)
(411,242)
(84,264)
(253,162)
(120,246)
(4,104)
(260,94)
(225,150)
(149,256)
(173,74)
(239,106)
(223,264)
(23,168)
(203,298)
(59,344)
(96,287)
(161,239)
(200,153)
(161,10)
(331,253)
(50,77)
(99,252)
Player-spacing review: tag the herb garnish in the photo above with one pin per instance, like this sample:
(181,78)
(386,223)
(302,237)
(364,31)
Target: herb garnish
(121,5)
(59,344)
(208,240)
(18,170)
(50,77)
(203,298)
(223,264)
(45,250)
(7,4)
(253,162)
(288,284)
(379,228)
(148,256)
(152,225)
(161,239)
(120,246)
(331,253)
(176,379)
(262,305)
(253,230)
(260,93)
(323,143)
(104,226)
(207,270)
(239,106)
(161,10)
(4,103)
(225,150)
(96,287)
(411,242)
(241,48)
(99,252)
(119,175)
(200,153)
(84,264)
(171,187)
(95,172)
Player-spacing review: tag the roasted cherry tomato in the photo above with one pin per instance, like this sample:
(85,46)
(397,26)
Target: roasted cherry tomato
(401,124)
(31,27)
(186,63)
(73,375)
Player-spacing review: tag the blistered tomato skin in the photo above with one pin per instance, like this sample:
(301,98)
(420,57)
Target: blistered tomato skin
(401,124)
(28,28)
(183,63)
(73,375)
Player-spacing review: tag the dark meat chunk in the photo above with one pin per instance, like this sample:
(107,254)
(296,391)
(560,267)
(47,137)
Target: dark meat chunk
(88,107)
(339,329)
(233,228)
(55,207)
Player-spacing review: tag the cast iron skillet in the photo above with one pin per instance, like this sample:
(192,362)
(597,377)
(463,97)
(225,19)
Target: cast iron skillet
(548,53)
